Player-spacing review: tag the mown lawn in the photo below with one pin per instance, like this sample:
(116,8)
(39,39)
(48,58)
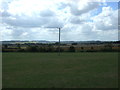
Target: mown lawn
(69,70)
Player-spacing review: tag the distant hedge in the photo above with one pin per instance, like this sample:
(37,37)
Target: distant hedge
(50,48)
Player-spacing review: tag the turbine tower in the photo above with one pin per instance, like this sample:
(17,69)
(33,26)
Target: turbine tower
(59,30)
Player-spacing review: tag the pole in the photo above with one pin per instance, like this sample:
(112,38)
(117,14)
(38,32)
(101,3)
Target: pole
(59,41)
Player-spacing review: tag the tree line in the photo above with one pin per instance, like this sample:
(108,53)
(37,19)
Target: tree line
(52,48)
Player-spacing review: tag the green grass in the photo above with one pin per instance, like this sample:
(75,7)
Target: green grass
(70,70)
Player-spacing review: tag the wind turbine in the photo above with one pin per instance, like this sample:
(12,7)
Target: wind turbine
(59,29)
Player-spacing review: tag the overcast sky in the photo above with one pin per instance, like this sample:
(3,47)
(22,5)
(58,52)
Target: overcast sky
(80,20)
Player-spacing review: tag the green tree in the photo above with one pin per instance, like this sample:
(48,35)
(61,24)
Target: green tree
(6,46)
(18,45)
(71,49)
(32,49)
(108,47)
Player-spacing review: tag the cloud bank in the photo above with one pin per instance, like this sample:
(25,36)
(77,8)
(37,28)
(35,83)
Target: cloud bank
(79,19)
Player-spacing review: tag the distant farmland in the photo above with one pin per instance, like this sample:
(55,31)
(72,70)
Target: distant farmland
(69,70)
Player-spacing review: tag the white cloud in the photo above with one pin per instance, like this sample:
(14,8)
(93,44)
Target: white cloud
(81,7)
(107,19)
(23,19)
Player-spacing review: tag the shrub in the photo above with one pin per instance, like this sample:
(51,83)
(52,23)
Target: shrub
(71,49)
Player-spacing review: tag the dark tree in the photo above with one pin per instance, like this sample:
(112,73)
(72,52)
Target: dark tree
(57,43)
(6,46)
(18,45)
(108,47)
(82,48)
(74,43)
(72,49)
(32,49)
(92,48)
(57,49)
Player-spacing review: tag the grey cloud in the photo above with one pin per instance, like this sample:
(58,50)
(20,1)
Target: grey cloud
(76,20)
(47,18)
(106,20)
(101,25)
(4,7)
(20,33)
(17,32)
(54,22)
(5,14)
(5,4)
(44,18)
(47,13)
(25,22)
(90,6)
(62,5)
(83,32)
(86,28)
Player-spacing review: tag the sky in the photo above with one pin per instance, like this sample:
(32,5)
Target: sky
(79,20)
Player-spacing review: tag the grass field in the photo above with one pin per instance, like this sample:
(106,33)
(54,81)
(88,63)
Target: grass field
(70,70)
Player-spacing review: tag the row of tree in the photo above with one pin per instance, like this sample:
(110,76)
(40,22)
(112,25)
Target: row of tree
(51,48)
(38,49)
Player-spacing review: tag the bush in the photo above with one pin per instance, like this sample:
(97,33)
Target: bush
(32,49)
(72,49)
(57,49)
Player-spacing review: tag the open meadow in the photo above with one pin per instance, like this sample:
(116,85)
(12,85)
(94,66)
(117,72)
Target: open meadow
(69,70)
